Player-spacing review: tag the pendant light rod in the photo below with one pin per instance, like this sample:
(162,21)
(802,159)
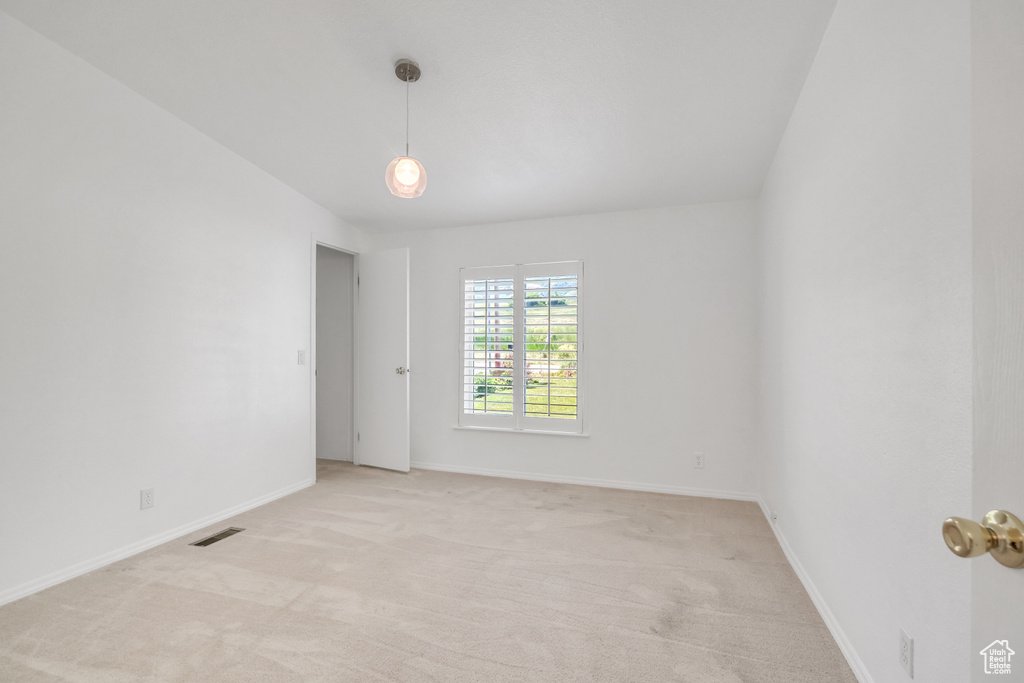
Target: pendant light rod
(408,71)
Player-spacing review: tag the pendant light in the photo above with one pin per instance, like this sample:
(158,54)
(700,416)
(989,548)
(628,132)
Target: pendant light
(405,176)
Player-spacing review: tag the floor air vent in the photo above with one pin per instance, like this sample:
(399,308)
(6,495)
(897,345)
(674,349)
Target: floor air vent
(209,540)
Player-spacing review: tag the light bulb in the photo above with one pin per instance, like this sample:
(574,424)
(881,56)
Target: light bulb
(406,177)
(407,172)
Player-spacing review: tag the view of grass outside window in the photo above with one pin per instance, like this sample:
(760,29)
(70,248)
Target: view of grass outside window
(521,330)
(490,356)
(550,346)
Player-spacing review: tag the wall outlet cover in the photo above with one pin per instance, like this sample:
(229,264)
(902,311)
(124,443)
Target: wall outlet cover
(145,498)
(907,652)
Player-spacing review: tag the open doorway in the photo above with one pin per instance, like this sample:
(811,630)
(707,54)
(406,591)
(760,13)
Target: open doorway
(333,366)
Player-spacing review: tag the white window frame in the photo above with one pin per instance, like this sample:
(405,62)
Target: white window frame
(518,420)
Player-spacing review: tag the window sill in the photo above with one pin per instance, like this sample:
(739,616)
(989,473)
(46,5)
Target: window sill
(519,431)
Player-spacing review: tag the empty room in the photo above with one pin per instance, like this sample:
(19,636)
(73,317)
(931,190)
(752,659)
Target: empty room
(678,340)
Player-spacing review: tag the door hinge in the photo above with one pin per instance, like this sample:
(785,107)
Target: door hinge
(357,436)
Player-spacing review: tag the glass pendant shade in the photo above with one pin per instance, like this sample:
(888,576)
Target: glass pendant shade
(406,177)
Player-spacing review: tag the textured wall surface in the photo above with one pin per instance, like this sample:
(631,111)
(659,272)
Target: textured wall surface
(155,290)
(669,350)
(866,331)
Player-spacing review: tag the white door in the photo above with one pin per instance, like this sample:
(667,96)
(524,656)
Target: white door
(997,592)
(382,360)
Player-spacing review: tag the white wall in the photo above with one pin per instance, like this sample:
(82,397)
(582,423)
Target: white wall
(334,371)
(998,210)
(669,347)
(866,331)
(154,292)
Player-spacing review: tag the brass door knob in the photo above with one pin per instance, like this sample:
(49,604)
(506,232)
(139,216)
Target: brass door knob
(1000,534)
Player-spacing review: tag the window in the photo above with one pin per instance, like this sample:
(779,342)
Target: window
(522,347)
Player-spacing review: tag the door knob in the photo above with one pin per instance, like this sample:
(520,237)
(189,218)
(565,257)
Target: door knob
(1000,534)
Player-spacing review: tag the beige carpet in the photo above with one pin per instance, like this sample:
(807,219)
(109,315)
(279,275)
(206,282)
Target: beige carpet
(378,576)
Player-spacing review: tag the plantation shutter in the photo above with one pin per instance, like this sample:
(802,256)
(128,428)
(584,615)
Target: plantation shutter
(551,325)
(522,346)
(488,347)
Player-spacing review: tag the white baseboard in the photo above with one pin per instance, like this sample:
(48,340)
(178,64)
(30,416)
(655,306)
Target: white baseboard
(587,481)
(62,575)
(859,670)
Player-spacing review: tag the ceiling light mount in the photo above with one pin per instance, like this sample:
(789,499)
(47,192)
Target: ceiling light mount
(407,70)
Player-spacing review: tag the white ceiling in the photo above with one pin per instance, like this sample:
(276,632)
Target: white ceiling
(526,108)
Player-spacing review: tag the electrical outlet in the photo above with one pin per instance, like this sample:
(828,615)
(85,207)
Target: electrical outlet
(907,653)
(698,460)
(145,498)
(302,357)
